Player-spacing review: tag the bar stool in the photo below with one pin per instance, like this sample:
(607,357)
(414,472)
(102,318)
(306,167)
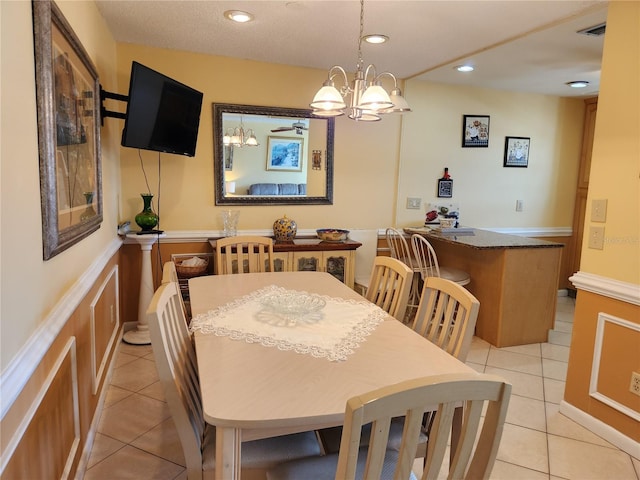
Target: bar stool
(400,250)
(427,262)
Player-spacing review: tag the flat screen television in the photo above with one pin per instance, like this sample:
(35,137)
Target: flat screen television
(163,114)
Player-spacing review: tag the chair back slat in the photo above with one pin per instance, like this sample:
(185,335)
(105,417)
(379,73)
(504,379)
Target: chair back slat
(389,286)
(177,369)
(447,316)
(244,254)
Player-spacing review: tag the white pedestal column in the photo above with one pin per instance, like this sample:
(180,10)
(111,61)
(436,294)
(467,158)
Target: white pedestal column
(140,336)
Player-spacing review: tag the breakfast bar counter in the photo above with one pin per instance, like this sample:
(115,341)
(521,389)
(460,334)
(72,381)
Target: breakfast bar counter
(515,279)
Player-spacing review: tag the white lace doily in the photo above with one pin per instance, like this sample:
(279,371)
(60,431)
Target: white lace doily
(332,332)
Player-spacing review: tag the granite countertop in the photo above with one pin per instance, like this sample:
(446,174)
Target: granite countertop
(482,239)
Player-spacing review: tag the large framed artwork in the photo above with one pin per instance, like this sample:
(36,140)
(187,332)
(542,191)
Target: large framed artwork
(67,95)
(284,154)
(516,151)
(475,131)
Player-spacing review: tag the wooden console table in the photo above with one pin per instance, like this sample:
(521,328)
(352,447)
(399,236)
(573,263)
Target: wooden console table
(515,279)
(313,254)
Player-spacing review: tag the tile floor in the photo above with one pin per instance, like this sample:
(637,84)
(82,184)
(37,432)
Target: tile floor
(136,438)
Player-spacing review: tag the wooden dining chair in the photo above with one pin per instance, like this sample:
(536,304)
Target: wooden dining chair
(427,264)
(411,399)
(169,275)
(389,286)
(447,316)
(176,362)
(169,272)
(244,254)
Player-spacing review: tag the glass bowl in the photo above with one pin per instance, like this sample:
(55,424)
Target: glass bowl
(293,305)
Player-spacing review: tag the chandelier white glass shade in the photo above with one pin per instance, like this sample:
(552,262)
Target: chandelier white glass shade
(237,137)
(367,99)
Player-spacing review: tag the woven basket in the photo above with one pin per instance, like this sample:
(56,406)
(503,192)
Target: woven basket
(187,271)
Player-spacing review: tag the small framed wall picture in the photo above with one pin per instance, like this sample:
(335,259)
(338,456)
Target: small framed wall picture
(475,131)
(285,154)
(516,151)
(445,188)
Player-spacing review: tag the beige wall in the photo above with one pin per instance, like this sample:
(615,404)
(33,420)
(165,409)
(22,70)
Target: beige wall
(31,287)
(365,155)
(615,164)
(609,279)
(368,157)
(486,191)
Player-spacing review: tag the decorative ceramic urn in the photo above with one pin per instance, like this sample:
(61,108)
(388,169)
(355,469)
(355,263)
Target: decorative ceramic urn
(284,229)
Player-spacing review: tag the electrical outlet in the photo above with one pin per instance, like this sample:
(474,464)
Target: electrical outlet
(596,238)
(413,203)
(519,205)
(635,383)
(599,211)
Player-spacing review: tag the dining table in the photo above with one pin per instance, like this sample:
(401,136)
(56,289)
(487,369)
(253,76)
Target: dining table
(266,370)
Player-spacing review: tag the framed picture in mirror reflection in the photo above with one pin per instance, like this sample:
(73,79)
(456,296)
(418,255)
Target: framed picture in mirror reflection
(285,153)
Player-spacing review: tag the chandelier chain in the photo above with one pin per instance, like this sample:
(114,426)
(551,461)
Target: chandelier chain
(360,64)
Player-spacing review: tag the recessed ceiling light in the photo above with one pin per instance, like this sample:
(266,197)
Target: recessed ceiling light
(238,16)
(578,84)
(375,38)
(465,68)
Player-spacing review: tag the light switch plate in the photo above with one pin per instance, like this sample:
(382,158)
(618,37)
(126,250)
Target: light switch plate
(596,238)
(413,203)
(599,210)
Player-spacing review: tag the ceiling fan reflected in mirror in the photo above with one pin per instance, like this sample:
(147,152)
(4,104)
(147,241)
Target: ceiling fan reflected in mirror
(298,127)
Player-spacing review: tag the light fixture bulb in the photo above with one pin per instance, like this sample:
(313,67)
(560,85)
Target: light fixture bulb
(328,98)
(251,141)
(578,84)
(375,38)
(465,68)
(238,16)
(400,105)
(375,98)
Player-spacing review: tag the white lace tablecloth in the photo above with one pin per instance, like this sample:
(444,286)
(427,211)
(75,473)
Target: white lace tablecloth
(332,332)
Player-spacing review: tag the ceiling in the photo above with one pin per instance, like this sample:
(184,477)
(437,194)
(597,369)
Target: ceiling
(518,45)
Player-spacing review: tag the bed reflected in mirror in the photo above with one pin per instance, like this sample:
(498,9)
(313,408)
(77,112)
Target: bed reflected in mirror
(271,155)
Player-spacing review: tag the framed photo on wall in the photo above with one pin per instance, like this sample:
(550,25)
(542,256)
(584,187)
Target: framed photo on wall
(68,107)
(516,151)
(228,157)
(445,188)
(475,131)
(284,154)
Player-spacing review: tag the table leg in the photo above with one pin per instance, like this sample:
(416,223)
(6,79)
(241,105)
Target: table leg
(228,441)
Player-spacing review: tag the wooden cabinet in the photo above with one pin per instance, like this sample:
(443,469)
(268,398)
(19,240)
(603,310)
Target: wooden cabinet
(311,254)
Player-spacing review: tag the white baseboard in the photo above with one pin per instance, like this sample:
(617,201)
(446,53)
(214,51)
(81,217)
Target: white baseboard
(601,429)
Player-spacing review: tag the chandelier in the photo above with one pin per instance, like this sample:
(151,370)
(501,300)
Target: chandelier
(237,137)
(367,99)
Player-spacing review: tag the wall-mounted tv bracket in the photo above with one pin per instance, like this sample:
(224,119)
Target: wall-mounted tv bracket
(108,113)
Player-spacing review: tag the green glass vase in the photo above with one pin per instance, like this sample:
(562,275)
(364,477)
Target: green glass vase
(147,219)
